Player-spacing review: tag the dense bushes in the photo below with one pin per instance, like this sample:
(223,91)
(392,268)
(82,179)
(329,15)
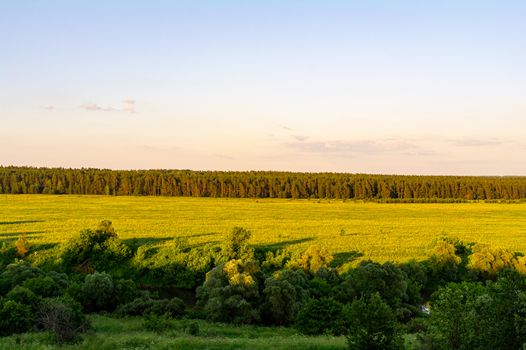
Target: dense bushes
(147,306)
(467,287)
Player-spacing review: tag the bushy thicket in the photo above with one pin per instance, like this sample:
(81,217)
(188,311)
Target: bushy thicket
(476,294)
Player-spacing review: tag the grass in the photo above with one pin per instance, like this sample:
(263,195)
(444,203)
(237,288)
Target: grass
(111,333)
(375,231)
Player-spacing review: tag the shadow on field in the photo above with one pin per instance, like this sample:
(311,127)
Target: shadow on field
(135,242)
(43,246)
(8,235)
(199,235)
(281,245)
(19,222)
(345,257)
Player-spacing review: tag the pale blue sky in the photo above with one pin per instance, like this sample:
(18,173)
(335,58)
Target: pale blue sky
(409,87)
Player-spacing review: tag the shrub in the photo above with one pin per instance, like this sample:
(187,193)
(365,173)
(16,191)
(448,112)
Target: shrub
(370,277)
(158,324)
(14,317)
(43,286)
(22,245)
(96,249)
(372,325)
(147,306)
(63,317)
(24,296)
(230,292)
(285,294)
(236,245)
(323,316)
(97,293)
(17,273)
(312,259)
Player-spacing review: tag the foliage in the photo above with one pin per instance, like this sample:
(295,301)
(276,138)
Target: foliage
(236,245)
(14,317)
(95,249)
(230,292)
(372,325)
(368,278)
(146,306)
(63,317)
(97,293)
(312,259)
(258,184)
(285,294)
(323,316)
(22,245)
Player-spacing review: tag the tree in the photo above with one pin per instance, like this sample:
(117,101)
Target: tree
(372,325)
(285,294)
(237,246)
(323,316)
(230,292)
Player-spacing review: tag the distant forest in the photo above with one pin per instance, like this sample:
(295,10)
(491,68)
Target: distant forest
(258,184)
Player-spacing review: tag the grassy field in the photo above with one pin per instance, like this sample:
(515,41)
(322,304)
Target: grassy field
(378,231)
(111,333)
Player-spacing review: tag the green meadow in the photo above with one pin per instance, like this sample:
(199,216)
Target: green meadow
(376,231)
(111,333)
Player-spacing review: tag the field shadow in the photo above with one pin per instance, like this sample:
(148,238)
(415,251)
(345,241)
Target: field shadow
(146,240)
(284,244)
(19,222)
(199,235)
(345,257)
(17,234)
(43,246)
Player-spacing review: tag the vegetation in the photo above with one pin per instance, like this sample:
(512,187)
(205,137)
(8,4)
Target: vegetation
(168,288)
(373,305)
(375,231)
(257,184)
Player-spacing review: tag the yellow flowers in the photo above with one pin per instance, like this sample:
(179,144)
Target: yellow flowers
(380,232)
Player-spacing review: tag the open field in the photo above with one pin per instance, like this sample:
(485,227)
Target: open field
(378,231)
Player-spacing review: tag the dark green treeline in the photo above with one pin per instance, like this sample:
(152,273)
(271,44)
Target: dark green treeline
(258,184)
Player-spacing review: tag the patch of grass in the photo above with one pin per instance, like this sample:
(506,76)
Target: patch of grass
(110,333)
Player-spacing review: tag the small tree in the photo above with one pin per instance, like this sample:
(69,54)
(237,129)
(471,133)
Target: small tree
(22,245)
(324,316)
(64,318)
(236,245)
(372,325)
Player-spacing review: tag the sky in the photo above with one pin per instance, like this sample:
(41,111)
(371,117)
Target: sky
(393,87)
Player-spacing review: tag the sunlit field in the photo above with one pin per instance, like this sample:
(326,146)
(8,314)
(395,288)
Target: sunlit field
(380,232)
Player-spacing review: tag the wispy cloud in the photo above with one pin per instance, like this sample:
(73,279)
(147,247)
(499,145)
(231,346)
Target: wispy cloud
(49,108)
(360,146)
(478,142)
(95,107)
(128,106)
(300,138)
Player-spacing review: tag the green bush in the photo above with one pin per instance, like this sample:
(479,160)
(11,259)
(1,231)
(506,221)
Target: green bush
(285,294)
(95,249)
(230,292)
(63,317)
(15,317)
(97,293)
(158,324)
(23,295)
(43,286)
(147,306)
(15,274)
(323,316)
(372,325)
